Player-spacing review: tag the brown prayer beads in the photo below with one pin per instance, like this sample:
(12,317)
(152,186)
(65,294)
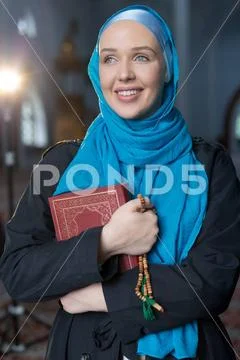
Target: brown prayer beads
(144,273)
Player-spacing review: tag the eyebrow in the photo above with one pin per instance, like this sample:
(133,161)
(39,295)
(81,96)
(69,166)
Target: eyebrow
(136,48)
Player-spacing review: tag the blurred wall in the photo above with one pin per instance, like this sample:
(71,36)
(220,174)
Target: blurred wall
(216,78)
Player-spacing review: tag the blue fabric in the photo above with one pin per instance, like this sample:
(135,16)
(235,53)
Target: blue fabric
(161,139)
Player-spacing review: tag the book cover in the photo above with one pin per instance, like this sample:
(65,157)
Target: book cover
(74,212)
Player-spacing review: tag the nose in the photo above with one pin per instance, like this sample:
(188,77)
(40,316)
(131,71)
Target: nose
(126,71)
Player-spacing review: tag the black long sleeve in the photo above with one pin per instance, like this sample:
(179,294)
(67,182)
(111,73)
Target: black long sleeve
(203,284)
(34,265)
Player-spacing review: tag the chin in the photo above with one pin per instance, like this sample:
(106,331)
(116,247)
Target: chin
(132,114)
(128,115)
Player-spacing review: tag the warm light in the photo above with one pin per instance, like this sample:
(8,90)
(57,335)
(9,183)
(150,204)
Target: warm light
(10,81)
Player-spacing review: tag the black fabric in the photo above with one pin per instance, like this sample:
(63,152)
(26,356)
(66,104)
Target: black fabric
(212,268)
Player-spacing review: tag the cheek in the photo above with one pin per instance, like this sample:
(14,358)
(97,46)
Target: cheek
(106,78)
(152,76)
(155,80)
(102,78)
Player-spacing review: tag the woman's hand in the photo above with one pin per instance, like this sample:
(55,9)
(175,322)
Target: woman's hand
(130,231)
(90,298)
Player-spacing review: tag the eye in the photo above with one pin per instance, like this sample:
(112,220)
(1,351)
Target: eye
(141,58)
(109,60)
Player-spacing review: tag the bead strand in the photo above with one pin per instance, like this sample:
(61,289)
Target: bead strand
(144,273)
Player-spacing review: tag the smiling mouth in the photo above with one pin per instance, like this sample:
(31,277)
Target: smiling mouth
(128,95)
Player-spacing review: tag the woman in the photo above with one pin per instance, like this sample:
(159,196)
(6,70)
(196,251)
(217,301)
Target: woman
(194,262)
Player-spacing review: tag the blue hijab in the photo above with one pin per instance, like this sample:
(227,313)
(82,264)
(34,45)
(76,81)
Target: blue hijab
(160,139)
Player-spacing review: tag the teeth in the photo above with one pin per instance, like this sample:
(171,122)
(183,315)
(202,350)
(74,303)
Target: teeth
(128,92)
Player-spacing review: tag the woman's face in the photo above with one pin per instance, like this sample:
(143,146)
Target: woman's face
(132,69)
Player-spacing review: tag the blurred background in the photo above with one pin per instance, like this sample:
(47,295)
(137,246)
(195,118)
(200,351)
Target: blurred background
(46,96)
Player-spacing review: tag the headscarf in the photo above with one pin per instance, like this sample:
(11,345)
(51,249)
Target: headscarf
(159,140)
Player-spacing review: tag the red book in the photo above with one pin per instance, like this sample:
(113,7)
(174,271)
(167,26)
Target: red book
(75,212)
